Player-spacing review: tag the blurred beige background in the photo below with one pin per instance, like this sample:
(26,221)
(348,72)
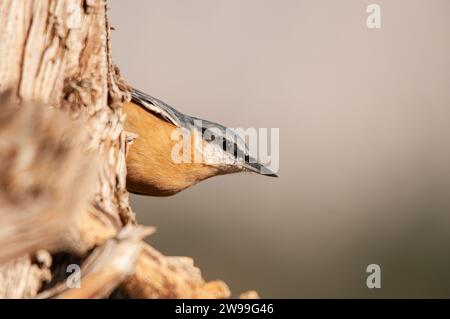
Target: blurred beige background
(364,139)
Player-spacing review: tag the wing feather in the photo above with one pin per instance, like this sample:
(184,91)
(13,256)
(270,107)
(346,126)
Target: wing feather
(158,107)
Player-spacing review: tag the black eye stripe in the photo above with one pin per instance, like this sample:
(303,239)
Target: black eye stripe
(229,146)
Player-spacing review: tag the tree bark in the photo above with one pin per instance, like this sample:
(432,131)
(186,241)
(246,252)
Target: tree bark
(57,53)
(68,203)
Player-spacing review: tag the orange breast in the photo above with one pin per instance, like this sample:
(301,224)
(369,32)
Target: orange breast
(151,170)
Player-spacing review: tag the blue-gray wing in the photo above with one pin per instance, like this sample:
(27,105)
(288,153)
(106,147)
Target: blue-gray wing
(158,107)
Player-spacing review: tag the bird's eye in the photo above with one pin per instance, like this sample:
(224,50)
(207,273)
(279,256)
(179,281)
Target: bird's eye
(209,135)
(227,146)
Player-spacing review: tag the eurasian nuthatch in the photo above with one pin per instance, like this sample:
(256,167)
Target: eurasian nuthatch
(151,167)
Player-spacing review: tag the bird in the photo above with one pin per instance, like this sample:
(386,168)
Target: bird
(151,168)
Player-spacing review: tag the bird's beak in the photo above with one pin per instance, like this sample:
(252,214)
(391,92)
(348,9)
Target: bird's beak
(259,168)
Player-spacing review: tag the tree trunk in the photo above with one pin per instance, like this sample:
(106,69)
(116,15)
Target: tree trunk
(63,198)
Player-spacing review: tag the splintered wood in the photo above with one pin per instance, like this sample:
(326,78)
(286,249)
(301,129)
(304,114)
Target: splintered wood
(63,169)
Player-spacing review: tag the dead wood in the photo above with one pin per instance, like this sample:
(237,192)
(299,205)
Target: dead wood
(63,195)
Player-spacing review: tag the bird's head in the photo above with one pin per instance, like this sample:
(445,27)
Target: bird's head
(224,149)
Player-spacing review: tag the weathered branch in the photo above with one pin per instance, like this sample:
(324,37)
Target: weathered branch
(63,178)
(47,178)
(105,268)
